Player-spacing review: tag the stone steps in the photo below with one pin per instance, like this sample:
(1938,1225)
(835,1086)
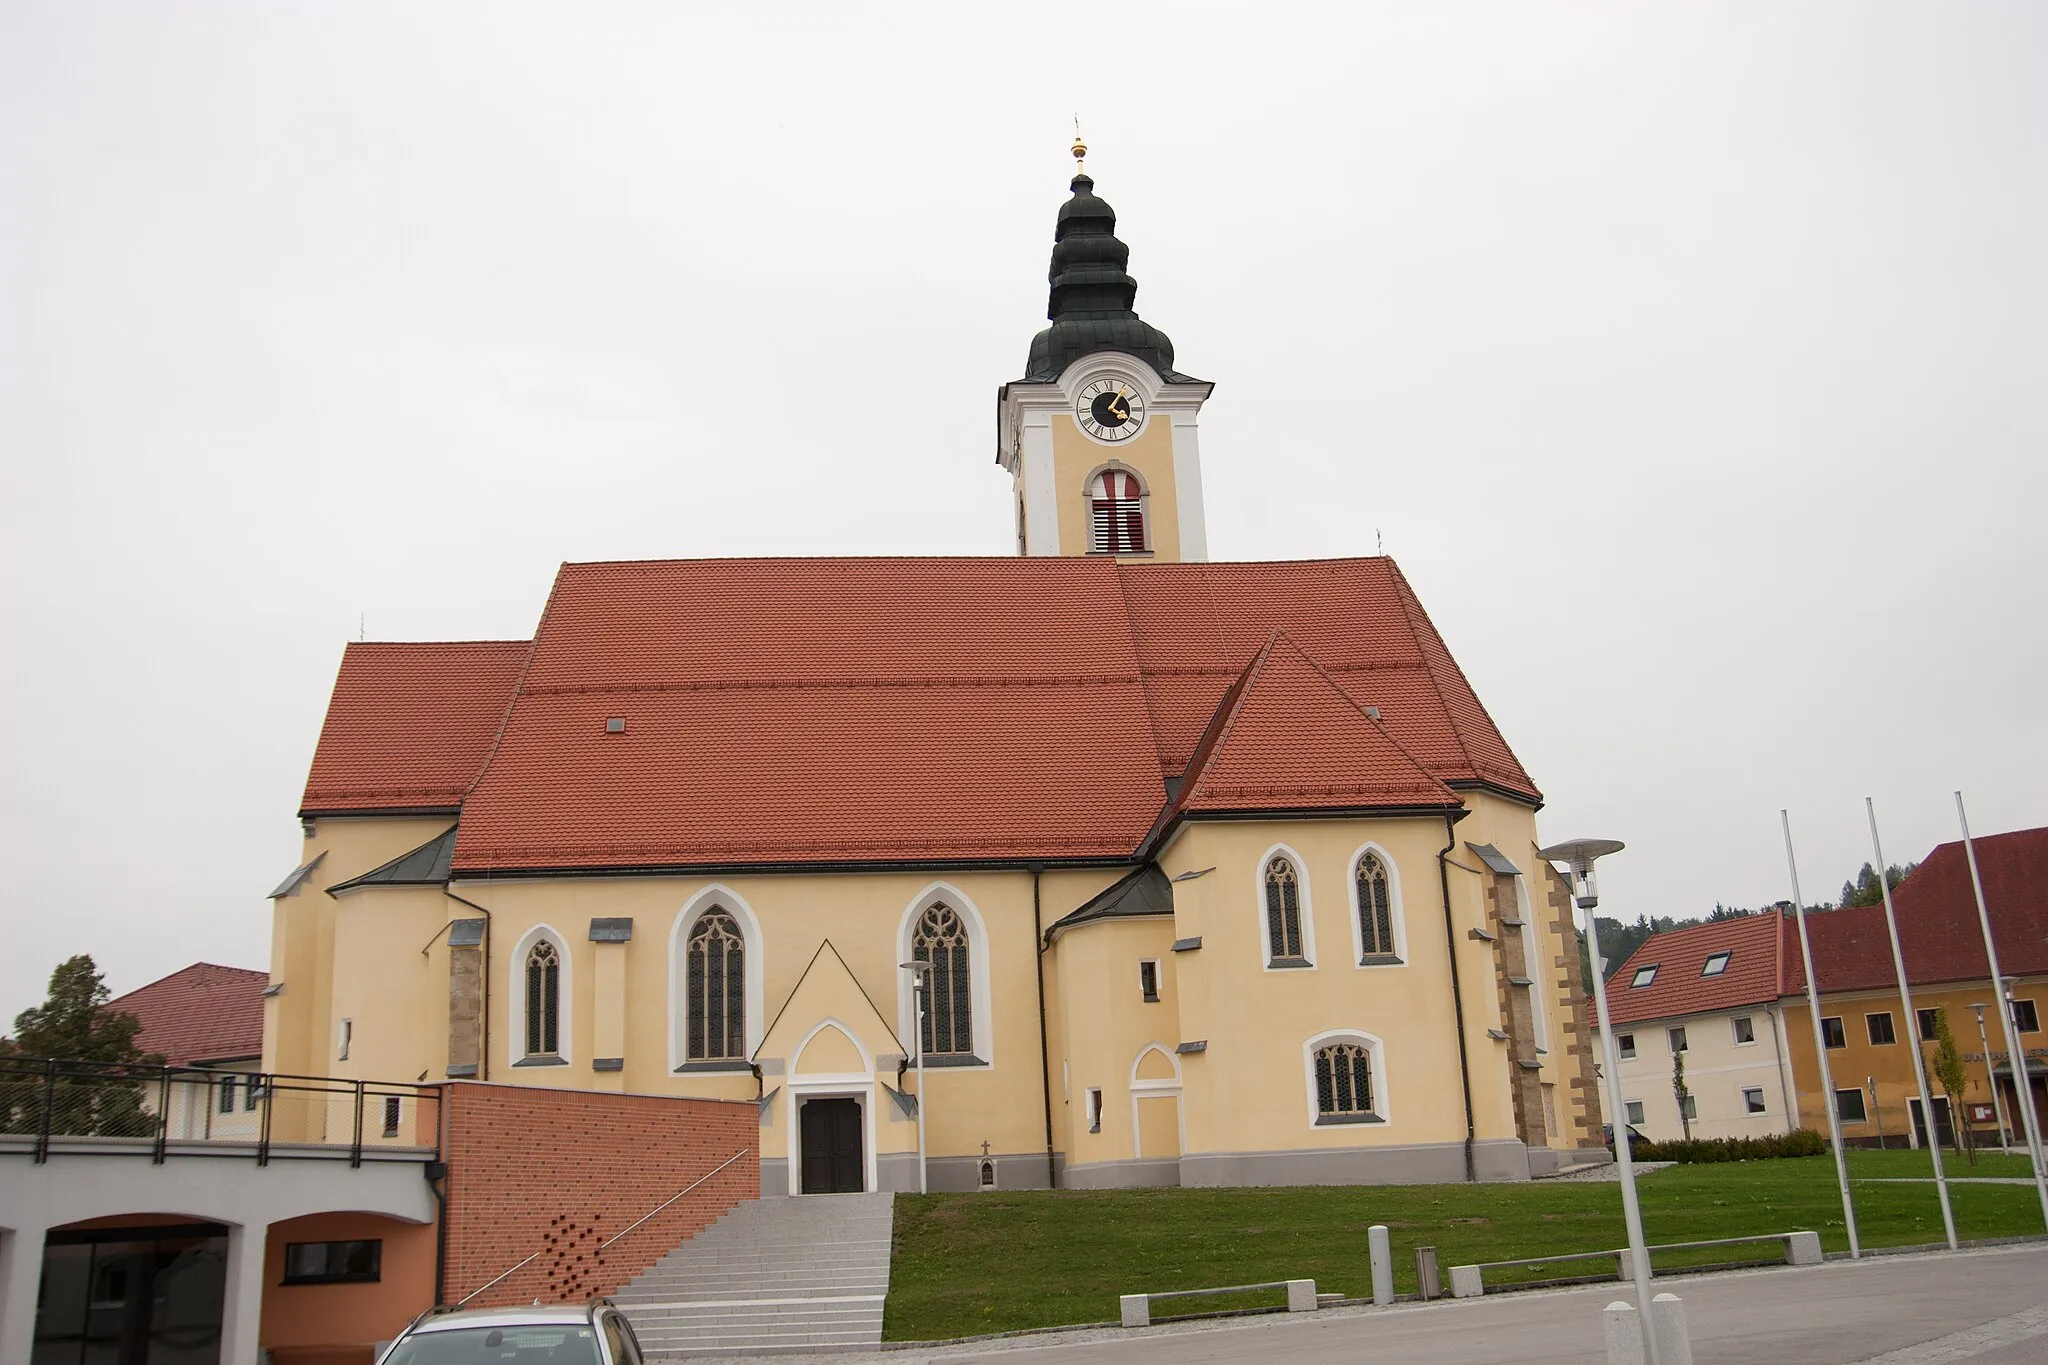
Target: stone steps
(805,1273)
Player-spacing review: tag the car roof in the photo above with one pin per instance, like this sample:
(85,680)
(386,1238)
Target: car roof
(530,1315)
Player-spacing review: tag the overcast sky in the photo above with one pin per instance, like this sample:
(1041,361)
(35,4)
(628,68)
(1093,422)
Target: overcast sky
(1691,360)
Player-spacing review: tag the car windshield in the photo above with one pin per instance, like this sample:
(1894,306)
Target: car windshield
(564,1343)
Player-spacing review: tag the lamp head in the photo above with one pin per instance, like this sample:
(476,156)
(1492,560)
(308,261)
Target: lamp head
(1580,855)
(916,967)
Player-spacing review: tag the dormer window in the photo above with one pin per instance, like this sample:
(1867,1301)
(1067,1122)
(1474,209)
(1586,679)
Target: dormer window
(1644,976)
(1717,963)
(1116,514)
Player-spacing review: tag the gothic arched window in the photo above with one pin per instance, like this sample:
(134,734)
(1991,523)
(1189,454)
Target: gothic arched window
(1375,907)
(1116,514)
(716,997)
(543,1000)
(941,939)
(1344,1083)
(1283,912)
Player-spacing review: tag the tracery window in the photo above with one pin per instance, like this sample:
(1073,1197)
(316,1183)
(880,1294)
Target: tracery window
(1344,1083)
(1375,907)
(716,991)
(1283,912)
(941,939)
(1116,514)
(543,1000)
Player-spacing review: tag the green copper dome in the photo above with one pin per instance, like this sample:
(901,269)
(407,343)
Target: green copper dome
(1090,302)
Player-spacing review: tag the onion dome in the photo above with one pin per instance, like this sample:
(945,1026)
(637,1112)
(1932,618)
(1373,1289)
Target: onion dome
(1090,303)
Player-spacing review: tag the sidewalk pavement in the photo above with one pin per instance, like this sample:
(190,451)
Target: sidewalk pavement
(1841,1313)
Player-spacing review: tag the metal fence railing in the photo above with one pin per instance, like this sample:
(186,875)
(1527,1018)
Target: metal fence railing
(101,1108)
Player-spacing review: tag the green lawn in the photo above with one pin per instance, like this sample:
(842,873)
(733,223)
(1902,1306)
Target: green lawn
(1902,1164)
(995,1262)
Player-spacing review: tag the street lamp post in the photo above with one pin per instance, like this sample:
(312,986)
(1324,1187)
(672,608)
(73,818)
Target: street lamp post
(1581,855)
(1991,1079)
(917,972)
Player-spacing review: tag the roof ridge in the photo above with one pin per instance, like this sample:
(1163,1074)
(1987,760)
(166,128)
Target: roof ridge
(1418,619)
(512,702)
(188,967)
(1365,714)
(1234,700)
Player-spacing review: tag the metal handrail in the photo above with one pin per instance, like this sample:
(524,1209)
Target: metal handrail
(530,1259)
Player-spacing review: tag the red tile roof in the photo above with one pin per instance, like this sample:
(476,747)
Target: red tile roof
(1752,977)
(1939,934)
(918,710)
(205,1013)
(410,725)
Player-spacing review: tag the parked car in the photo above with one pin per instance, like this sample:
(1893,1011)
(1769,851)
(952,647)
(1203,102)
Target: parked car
(1637,1139)
(561,1334)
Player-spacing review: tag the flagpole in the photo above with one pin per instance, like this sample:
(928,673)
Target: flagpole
(1891,924)
(2022,1083)
(1820,1046)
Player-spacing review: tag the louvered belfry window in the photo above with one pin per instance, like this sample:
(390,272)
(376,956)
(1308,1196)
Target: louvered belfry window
(717,989)
(1375,907)
(941,940)
(1343,1080)
(1283,911)
(543,999)
(1116,514)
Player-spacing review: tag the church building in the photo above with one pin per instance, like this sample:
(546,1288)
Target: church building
(1125,867)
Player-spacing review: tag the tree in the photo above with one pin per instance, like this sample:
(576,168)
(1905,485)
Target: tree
(74,1025)
(1954,1080)
(1864,889)
(1684,1093)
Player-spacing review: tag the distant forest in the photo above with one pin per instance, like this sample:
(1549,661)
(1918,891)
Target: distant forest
(1618,940)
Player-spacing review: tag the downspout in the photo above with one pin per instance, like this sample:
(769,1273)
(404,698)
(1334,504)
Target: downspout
(1443,873)
(440,1194)
(1044,1043)
(483,1061)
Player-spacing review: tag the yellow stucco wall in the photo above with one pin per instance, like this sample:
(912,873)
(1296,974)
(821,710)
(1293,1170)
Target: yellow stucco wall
(1077,457)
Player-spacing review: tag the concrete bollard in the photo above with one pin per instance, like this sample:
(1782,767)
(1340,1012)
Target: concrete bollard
(1426,1273)
(1382,1249)
(1803,1248)
(1624,1334)
(1674,1343)
(1137,1309)
(1301,1297)
(1467,1282)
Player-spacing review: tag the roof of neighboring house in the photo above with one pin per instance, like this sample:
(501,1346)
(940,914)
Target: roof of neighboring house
(409,725)
(1753,944)
(1940,936)
(838,711)
(203,1013)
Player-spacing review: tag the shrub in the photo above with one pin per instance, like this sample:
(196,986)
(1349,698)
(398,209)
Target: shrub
(1798,1142)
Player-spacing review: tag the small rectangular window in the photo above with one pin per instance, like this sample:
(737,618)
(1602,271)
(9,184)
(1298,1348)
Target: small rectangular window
(344,1035)
(391,1116)
(1148,981)
(2025,1019)
(1689,1108)
(1677,1037)
(1625,1043)
(227,1094)
(1644,976)
(1831,1032)
(1745,1030)
(1635,1111)
(1716,964)
(1094,1111)
(1880,1026)
(1753,1099)
(1928,1027)
(1849,1106)
(333,1262)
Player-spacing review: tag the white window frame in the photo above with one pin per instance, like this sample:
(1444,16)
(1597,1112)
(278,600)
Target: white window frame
(1625,1046)
(1632,1113)
(1676,1038)
(1088,502)
(979,992)
(1762,1104)
(1382,1107)
(1395,919)
(1307,909)
(1092,1105)
(1735,1023)
(798,1086)
(1862,1105)
(722,897)
(565,996)
(1157,990)
(344,1038)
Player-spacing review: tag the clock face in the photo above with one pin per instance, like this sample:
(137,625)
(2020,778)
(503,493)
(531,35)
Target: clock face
(1110,409)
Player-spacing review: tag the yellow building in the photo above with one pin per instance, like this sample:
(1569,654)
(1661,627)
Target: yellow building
(1216,874)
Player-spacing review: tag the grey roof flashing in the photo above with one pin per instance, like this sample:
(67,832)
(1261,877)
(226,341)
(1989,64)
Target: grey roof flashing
(426,865)
(618,930)
(1145,891)
(292,885)
(466,933)
(1495,860)
(1187,945)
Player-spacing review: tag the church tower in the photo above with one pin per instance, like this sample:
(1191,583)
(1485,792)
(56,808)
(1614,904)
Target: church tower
(1099,435)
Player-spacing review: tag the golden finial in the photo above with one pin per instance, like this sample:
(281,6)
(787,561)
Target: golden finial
(1080,148)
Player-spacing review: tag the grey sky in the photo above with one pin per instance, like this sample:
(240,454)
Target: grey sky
(1689,359)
